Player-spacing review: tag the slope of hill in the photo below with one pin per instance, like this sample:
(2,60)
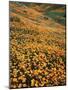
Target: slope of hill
(37,45)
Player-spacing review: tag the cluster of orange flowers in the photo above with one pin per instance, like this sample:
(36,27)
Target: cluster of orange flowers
(37,53)
(36,69)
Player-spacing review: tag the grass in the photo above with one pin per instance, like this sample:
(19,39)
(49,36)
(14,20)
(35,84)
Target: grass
(37,51)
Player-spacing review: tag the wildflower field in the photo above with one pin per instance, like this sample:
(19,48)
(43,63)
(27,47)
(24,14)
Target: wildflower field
(37,45)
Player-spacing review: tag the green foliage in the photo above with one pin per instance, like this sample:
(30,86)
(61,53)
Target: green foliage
(14,19)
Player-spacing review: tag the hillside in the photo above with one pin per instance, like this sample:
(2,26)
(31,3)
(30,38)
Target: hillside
(37,45)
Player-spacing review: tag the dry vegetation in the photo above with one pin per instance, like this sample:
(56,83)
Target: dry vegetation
(37,47)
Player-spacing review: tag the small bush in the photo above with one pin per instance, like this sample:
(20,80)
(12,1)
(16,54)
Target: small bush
(16,19)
